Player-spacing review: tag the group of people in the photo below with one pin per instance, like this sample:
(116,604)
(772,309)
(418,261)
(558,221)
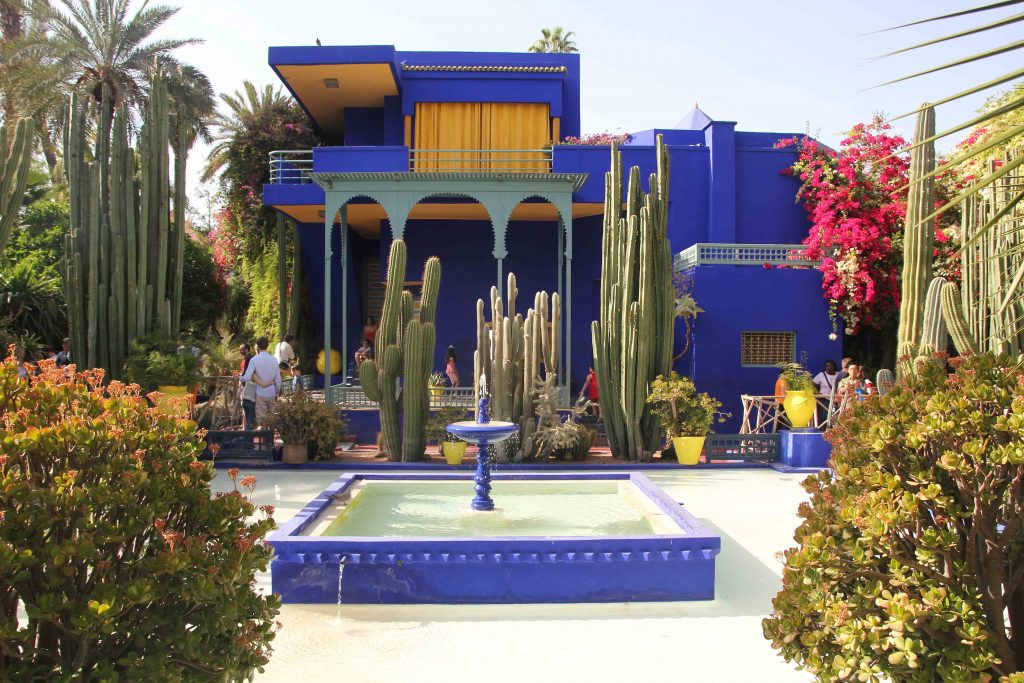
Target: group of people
(843,383)
(260,374)
(365,351)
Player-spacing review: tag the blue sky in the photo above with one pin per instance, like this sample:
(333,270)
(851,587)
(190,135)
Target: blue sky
(782,66)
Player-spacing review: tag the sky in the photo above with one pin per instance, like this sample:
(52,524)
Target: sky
(786,66)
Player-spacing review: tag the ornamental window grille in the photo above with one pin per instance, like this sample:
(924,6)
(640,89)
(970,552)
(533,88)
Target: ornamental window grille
(760,349)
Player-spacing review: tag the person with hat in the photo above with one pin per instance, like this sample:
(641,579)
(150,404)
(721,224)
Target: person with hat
(64,357)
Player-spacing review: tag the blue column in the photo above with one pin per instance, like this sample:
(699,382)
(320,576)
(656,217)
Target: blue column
(720,137)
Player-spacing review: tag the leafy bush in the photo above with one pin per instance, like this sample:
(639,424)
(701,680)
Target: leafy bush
(32,302)
(439,420)
(300,419)
(125,565)
(796,377)
(910,558)
(203,290)
(154,361)
(682,411)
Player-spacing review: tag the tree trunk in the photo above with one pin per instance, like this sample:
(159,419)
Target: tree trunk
(46,142)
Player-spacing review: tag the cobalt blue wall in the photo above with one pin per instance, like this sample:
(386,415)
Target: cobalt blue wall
(751,299)
(768,212)
(364,126)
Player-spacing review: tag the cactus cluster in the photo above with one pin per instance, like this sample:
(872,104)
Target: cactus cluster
(511,351)
(123,256)
(633,341)
(986,313)
(918,237)
(15,160)
(403,354)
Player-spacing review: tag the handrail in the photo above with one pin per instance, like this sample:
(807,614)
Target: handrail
(291,166)
(477,160)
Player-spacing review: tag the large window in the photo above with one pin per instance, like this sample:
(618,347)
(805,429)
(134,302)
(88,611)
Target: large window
(468,132)
(760,349)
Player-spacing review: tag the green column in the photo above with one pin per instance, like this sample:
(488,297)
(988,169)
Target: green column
(344,291)
(328,224)
(561,249)
(282,282)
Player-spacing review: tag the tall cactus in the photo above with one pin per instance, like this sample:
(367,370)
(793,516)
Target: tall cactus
(918,236)
(15,160)
(633,341)
(512,358)
(934,336)
(123,265)
(404,345)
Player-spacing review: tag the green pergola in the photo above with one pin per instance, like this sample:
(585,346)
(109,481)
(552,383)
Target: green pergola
(398,193)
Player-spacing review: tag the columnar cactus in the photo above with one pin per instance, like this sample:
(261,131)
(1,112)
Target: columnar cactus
(512,357)
(633,341)
(123,264)
(933,328)
(918,236)
(404,345)
(15,160)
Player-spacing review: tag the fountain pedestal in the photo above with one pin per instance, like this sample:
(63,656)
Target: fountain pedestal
(483,432)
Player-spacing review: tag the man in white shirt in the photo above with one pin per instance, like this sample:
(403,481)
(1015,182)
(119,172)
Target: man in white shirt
(826,380)
(265,371)
(284,353)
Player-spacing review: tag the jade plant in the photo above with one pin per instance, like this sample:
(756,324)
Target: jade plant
(117,561)
(682,410)
(909,563)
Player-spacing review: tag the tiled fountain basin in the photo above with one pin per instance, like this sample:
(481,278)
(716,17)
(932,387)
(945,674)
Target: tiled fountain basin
(677,562)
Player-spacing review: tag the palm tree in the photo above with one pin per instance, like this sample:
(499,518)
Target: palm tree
(242,106)
(553,40)
(91,43)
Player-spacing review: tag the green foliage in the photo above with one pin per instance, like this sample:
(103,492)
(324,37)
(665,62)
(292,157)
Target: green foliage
(154,361)
(32,302)
(680,408)
(40,235)
(554,40)
(300,419)
(259,272)
(439,421)
(910,559)
(125,564)
(438,379)
(797,378)
(202,290)
(566,440)
(220,357)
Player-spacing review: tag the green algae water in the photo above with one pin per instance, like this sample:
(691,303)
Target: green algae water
(543,508)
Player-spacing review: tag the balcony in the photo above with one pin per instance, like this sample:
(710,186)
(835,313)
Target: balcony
(707,254)
(293,167)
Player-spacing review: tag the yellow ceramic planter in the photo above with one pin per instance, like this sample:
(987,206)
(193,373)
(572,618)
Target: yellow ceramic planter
(336,368)
(688,449)
(174,400)
(454,452)
(799,407)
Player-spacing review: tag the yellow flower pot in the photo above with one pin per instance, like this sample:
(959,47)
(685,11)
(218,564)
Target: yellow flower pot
(454,452)
(175,400)
(437,392)
(688,448)
(799,407)
(336,368)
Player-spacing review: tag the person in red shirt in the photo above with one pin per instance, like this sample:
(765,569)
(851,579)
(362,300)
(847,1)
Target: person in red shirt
(590,391)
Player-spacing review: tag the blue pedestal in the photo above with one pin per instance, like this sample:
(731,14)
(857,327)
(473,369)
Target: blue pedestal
(802,448)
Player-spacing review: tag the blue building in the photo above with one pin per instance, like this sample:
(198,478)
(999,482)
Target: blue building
(453,152)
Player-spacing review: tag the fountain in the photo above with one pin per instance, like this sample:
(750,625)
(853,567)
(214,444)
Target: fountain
(484,433)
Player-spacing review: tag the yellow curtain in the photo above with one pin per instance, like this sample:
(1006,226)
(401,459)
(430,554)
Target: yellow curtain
(479,128)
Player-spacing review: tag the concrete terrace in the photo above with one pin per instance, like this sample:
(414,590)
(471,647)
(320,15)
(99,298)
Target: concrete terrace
(754,510)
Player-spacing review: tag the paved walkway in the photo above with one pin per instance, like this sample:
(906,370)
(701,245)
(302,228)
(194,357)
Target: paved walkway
(721,640)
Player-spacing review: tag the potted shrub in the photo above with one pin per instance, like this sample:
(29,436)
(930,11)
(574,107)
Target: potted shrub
(159,363)
(307,427)
(438,382)
(453,447)
(797,390)
(686,415)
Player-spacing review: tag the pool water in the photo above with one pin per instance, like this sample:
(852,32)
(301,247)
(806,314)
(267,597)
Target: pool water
(525,508)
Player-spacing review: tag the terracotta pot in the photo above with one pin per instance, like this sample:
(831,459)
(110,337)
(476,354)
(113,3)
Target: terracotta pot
(454,452)
(688,449)
(800,406)
(174,401)
(295,454)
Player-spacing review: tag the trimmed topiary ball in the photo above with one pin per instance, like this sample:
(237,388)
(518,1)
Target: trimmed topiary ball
(910,559)
(121,563)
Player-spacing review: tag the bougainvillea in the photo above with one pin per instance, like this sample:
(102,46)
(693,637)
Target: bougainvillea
(856,202)
(605,138)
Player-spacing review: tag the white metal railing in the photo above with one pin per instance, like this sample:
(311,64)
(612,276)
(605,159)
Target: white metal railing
(346,396)
(480,160)
(291,166)
(763,414)
(710,253)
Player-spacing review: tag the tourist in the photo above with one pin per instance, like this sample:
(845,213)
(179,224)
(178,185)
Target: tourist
(590,391)
(49,353)
(844,371)
(370,329)
(64,357)
(851,385)
(265,371)
(243,351)
(19,358)
(285,354)
(450,369)
(363,353)
(825,380)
